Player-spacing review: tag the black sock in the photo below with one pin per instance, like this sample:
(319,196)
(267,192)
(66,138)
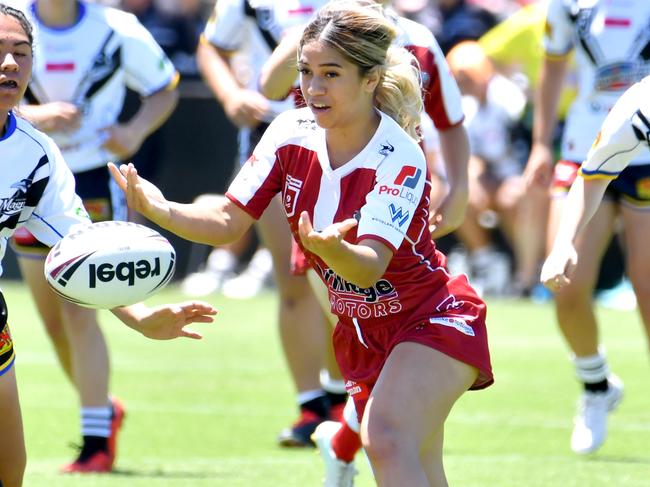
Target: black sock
(93,444)
(601,386)
(319,405)
(337,398)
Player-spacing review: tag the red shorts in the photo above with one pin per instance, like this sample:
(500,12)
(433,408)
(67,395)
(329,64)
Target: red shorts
(458,330)
(299,263)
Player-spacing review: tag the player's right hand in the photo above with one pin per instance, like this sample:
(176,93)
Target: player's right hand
(539,169)
(558,267)
(246,108)
(141,195)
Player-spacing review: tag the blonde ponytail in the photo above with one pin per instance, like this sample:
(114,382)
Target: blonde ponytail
(399,93)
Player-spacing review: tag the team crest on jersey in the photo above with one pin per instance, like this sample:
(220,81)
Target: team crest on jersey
(306,123)
(292,188)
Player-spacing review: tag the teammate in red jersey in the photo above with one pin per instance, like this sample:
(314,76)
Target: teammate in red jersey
(354,186)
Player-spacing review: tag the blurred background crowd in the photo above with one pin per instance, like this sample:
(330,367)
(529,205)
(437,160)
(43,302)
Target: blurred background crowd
(494,51)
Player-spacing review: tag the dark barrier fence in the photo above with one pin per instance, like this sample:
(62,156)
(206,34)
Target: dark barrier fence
(192,153)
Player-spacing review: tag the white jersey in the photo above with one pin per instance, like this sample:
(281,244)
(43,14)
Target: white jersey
(624,135)
(259,26)
(489,126)
(612,43)
(385,187)
(38,189)
(90,64)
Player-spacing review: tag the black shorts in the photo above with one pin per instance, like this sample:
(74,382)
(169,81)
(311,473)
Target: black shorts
(7,355)
(101,197)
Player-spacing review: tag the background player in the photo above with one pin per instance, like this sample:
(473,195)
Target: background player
(86,57)
(611,42)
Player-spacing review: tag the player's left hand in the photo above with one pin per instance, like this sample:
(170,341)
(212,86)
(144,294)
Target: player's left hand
(169,321)
(121,140)
(558,267)
(326,242)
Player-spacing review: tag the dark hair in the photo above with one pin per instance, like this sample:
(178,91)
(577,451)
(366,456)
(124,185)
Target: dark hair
(22,20)
(362,34)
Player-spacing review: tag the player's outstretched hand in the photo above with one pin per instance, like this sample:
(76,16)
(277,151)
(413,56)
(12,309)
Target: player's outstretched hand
(558,267)
(141,195)
(326,242)
(167,321)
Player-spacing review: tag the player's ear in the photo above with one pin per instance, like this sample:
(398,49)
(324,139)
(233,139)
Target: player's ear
(372,79)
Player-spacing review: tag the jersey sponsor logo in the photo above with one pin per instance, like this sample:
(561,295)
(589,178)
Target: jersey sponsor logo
(618,76)
(450,303)
(643,188)
(457,323)
(386,148)
(399,192)
(408,176)
(292,188)
(353,387)
(617,22)
(347,299)
(60,67)
(16,202)
(398,215)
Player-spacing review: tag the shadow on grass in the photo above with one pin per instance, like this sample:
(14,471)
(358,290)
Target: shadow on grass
(166,474)
(620,459)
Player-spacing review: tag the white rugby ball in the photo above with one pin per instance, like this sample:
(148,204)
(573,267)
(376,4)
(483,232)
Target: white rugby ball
(109,264)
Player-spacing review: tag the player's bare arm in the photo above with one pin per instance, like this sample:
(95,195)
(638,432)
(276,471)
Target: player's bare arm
(214,225)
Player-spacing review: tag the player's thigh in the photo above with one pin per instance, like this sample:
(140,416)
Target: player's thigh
(12,442)
(636,223)
(319,289)
(414,393)
(47,302)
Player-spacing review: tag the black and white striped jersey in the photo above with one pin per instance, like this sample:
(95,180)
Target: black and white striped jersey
(91,64)
(37,188)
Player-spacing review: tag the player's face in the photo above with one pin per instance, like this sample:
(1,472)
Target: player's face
(15,62)
(333,87)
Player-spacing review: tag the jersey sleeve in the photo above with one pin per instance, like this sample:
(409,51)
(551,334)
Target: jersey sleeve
(394,200)
(623,135)
(226,27)
(442,99)
(147,68)
(59,209)
(260,178)
(558,30)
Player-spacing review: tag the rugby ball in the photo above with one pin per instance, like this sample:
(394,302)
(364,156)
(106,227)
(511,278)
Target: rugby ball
(109,264)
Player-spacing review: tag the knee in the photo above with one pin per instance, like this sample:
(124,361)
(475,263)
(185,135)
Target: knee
(579,291)
(383,442)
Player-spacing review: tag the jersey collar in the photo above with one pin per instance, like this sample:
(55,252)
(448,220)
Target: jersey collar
(11,126)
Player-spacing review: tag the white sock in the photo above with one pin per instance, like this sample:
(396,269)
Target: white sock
(350,416)
(592,368)
(96,421)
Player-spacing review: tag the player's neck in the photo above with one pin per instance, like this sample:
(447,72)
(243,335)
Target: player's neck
(57,13)
(344,143)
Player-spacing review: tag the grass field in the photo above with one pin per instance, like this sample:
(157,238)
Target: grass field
(206,413)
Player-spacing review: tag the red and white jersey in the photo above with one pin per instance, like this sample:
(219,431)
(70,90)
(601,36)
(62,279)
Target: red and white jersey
(612,43)
(91,64)
(385,187)
(624,134)
(257,26)
(442,98)
(38,189)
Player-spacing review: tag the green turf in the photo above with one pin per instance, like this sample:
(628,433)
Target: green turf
(206,413)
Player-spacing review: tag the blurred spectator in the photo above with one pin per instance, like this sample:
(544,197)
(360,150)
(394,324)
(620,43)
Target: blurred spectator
(493,106)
